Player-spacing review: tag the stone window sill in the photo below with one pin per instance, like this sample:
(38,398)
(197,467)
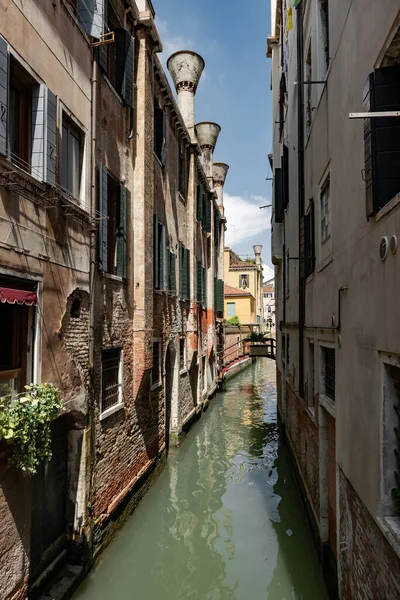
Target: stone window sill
(328,404)
(391,528)
(391,205)
(110,411)
(113,277)
(155,386)
(183,371)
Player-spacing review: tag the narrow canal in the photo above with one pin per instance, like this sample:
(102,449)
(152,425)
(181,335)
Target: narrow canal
(224,520)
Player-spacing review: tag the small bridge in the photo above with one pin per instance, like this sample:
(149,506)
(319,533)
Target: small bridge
(247,348)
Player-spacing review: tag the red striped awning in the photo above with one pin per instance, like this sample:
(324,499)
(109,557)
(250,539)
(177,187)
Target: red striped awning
(13,296)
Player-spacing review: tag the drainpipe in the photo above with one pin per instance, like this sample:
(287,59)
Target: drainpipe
(300,168)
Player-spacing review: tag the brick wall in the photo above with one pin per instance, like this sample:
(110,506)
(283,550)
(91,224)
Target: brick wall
(370,569)
(303,435)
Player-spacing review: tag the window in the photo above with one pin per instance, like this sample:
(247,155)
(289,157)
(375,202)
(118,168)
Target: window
(308,90)
(182,354)
(244,281)
(325,198)
(310,378)
(184,272)
(287,275)
(287,348)
(112,225)
(309,240)
(111,378)
(27,119)
(182,173)
(116,58)
(323,37)
(269,309)
(231,309)
(22,87)
(328,365)
(159,255)
(200,202)
(172,273)
(160,132)
(283,348)
(201,280)
(156,370)
(204,372)
(71,157)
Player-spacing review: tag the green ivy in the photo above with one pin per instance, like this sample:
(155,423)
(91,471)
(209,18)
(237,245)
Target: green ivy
(234,321)
(25,423)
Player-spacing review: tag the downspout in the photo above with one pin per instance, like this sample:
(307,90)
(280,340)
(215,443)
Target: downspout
(92,276)
(300,169)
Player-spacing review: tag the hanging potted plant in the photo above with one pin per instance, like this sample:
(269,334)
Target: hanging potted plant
(25,423)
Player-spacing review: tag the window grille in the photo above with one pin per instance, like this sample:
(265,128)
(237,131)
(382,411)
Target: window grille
(329,372)
(111,377)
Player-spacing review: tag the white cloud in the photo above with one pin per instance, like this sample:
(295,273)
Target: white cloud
(268,272)
(171,43)
(245,219)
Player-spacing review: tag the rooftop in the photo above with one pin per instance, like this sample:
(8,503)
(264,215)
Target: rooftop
(229,290)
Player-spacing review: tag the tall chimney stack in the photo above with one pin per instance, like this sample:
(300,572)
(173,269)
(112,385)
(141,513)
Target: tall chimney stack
(186,68)
(220,171)
(257,251)
(207,135)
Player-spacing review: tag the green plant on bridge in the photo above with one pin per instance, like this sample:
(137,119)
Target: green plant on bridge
(25,423)
(234,321)
(256,337)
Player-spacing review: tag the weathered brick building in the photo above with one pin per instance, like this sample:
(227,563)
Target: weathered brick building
(111,268)
(334,246)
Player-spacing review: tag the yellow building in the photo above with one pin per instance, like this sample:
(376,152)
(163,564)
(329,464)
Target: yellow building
(239,303)
(243,287)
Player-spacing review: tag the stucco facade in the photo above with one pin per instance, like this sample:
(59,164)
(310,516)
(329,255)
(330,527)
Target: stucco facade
(334,214)
(112,236)
(246,274)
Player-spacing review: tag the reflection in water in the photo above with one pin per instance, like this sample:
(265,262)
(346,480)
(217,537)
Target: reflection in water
(223,521)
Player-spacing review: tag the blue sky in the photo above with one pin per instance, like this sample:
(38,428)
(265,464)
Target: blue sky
(234,91)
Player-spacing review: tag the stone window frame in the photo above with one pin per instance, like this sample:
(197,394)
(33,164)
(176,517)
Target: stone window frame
(116,407)
(324,399)
(325,209)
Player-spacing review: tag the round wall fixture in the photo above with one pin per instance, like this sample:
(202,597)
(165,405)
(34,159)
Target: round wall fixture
(383,248)
(393,244)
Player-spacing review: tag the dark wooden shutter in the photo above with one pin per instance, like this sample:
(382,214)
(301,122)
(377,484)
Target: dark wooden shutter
(285,176)
(208,214)
(102,51)
(51,138)
(382,138)
(91,16)
(124,48)
(198,282)
(279,209)
(121,232)
(184,274)
(156,255)
(187,271)
(158,131)
(164,139)
(172,272)
(103,224)
(4,76)
(309,240)
(203,287)
(163,258)
(216,232)
(199,212)
(221,295)
(180,259)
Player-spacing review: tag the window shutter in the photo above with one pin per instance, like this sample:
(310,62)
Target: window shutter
(199,203)
(198,281)
(102,51)
(184,274)
(215,294)
(203,287)
(172,272)
(163,259)
(121,232)
(180,259)
(91,16)
(221,295)
(103,224)
(4,75)
(285,176)
(216,232)
(164,139)
(156,257)
(382,138)
(278,199)
(51,141)
(124,48)
(208,214)
(187,271)
(38,132)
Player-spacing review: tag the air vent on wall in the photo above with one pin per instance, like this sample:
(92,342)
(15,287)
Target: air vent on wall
(393,244)
(383,248)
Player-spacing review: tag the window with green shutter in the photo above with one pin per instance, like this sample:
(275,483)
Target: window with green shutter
(199,214)
(160,258)
(207,214)
(199,282)
(172,273)
(113,200)
(203,287)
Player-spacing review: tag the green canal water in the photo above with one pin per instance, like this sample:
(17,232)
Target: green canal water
(224,520)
